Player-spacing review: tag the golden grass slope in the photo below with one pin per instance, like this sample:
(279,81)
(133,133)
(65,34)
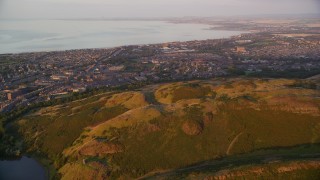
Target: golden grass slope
(274,93)
(190,122)
(129,100)
(172,93)
(127,119)
(77,170)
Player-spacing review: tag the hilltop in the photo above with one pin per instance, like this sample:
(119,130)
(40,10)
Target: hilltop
(218,128)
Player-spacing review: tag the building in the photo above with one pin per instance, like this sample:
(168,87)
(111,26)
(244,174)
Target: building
(58,77)
(240,49)
(116,68)
(13,94)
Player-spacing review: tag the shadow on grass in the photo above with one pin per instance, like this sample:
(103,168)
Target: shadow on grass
(262,156)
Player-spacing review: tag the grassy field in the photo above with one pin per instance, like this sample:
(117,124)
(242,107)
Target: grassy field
(160,128)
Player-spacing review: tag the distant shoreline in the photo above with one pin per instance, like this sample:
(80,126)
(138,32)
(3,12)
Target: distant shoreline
(119,37)
(108,48)
(125,36)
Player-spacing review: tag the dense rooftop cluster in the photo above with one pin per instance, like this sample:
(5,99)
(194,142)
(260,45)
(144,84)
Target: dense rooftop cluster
(27,78)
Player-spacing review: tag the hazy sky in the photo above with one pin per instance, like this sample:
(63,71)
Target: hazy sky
(151,8)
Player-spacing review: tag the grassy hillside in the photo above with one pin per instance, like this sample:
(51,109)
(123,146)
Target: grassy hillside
(299,162)
(287,170)
(303,169)
(169,126)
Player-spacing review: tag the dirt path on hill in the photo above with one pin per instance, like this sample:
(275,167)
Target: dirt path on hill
(235,139)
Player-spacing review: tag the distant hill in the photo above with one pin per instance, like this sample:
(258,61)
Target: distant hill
(219,128)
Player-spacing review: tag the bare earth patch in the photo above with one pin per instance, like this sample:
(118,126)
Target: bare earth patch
(192,128)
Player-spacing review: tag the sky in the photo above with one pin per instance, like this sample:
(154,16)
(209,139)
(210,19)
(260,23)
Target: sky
(152,8)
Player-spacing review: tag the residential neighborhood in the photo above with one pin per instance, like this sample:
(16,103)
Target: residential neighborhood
(28,78)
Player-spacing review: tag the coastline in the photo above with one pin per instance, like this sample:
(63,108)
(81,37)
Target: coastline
(123,46)
(156,32)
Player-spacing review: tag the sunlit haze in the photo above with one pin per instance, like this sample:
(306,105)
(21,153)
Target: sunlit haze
(152,8)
